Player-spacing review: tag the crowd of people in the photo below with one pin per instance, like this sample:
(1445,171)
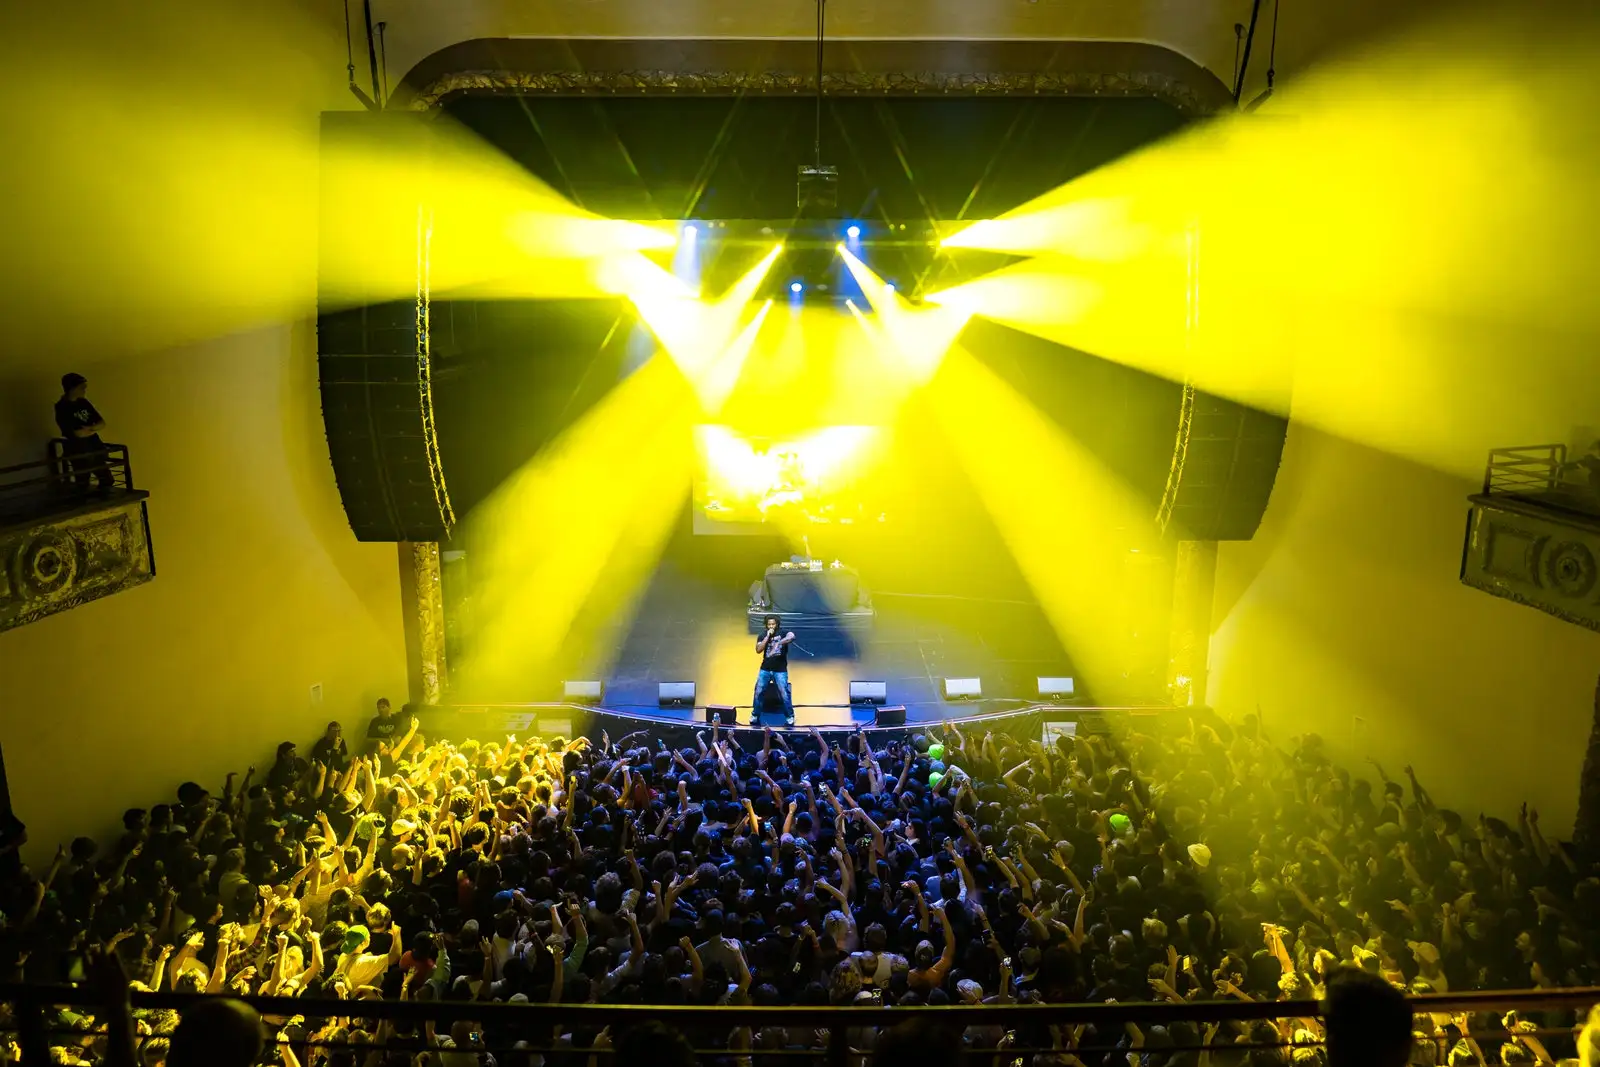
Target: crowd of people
(1183,859)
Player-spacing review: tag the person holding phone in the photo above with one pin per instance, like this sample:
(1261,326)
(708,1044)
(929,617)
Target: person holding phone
(774,652)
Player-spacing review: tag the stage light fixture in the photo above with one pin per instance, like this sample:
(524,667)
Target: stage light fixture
(888,287)
(795,287)
(854,233)
(690,232)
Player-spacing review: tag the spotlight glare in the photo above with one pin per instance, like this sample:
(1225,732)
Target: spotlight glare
(690,232)
(888,287)
(795,287)
(853,232)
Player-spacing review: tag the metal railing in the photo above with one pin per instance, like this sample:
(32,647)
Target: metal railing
(571,719)
(1543,475)
(63,479)
(1527,469)
(1027,1025)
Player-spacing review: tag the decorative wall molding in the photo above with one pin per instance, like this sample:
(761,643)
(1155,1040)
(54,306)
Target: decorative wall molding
(730,67)
(55,564)
(1542,557)
(1162,87)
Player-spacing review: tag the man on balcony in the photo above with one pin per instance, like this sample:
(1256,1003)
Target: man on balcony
(81,424)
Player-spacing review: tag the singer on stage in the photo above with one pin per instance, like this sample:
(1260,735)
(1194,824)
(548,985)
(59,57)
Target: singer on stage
(774,668)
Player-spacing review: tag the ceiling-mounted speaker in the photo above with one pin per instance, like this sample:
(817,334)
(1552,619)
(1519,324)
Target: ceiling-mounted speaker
(816,191)
(963,688)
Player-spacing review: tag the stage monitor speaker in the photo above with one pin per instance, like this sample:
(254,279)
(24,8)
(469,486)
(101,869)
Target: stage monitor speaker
(555,727)
(869,692)
(1056,689)
(726,714)
(963,688)
(893,715)
(675,694)
(585,692)
(1223,469)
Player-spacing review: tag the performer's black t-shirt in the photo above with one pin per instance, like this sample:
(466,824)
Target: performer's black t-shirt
(776,661)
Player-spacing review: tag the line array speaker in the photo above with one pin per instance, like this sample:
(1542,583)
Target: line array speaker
(374,329)
(1223,468)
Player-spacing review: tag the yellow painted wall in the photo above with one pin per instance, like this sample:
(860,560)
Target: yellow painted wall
(261,592)
(159,200)
(1348,604)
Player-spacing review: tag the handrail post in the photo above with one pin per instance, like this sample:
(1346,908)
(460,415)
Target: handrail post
(838,1045)
(31,1036)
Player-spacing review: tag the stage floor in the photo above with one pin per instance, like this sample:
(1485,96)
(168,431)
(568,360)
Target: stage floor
(688,629)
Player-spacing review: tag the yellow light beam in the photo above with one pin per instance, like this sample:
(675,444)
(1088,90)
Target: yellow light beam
(1054,504)
(918,336)
(714,385)
(1379,250)
(565,546)
(694,331)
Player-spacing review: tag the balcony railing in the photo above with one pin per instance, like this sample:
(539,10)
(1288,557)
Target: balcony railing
(1528,469)
(64,480)
(845,1034)
(1542,474)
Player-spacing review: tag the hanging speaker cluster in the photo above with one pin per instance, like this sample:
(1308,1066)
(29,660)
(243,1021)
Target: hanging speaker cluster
(374,335)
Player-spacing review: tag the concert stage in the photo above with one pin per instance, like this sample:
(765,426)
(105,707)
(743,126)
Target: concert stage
(689,628)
